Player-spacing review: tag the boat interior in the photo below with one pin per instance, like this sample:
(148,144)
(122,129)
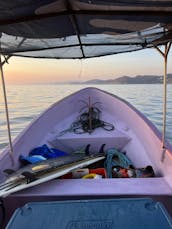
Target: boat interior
(132,134)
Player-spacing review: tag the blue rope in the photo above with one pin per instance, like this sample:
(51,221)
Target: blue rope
(122,161)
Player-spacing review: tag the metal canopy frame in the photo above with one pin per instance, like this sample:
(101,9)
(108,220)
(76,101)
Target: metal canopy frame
(144,24)
(75,26)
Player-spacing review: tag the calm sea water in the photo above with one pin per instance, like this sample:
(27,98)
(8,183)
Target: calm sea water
(28,101)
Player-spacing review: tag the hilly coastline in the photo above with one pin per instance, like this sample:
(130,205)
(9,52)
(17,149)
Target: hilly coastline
(140,79)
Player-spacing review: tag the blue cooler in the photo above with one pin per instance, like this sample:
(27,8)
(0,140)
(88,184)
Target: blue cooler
(92,214)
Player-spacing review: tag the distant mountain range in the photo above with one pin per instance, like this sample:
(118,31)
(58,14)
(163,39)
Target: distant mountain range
(140,79)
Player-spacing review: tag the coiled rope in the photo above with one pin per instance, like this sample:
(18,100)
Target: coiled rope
(87,122)
(115,158)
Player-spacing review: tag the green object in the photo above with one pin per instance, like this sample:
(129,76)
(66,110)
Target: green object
(116,158)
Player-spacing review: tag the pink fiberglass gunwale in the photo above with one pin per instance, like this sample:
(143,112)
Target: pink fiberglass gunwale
(133,133)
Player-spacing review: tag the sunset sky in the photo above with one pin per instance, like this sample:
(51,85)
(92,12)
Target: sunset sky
(27,70)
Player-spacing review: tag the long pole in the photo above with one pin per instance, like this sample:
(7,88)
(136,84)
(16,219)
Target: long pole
(164,106)
(6,109)
(165,56)
(11,151)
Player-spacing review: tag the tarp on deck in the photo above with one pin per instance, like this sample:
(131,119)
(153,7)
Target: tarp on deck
(82,28)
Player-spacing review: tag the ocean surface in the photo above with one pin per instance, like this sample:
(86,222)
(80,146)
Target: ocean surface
(27,101)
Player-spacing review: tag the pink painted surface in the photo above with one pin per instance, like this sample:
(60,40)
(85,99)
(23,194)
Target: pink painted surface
(81,187)
(139,138)
(133,133)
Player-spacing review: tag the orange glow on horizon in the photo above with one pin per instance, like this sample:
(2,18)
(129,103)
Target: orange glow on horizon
(28,70)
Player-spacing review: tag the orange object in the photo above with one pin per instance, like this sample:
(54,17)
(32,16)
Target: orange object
(99,171)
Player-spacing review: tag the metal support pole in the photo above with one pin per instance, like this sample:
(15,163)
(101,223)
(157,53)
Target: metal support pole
(5,100)
(164,107)
(165,56)
(6,109)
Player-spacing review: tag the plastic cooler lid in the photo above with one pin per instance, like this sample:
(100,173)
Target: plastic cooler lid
(96,214)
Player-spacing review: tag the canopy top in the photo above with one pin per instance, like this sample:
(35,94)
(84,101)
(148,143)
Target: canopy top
(82,28)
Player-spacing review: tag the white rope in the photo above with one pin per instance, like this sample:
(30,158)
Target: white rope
(6,111)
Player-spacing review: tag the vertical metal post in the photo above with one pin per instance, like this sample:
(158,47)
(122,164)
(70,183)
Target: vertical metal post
(11,151)
(165,56)
(164,104)
(6,109)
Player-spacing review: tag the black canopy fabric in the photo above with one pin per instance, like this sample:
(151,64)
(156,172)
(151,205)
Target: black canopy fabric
(82,28)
